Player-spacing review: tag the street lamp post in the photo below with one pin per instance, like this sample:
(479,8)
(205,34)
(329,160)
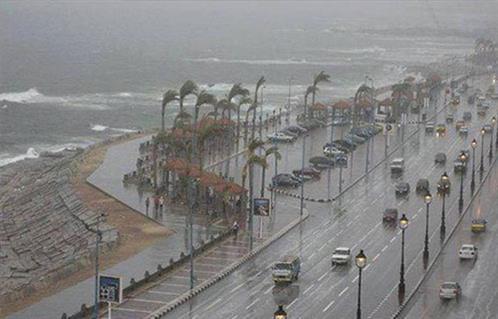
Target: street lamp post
(443,188)
(361,262)
(463,158)
(481,168)
(98,232)
(493,123)
(301,206)
(473,182)
(280,313)
(403,224)
(427,200)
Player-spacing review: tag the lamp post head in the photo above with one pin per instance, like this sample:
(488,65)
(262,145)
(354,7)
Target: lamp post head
(473,143)
(444,177)
(361,260)
(463,157)
(428,198)
(483,131)
(493,120)
(403,222)
(280,313)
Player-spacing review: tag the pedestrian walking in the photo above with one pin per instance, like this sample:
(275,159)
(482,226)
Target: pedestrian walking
(147,204)
(156,203)
(235,229)
(161,202)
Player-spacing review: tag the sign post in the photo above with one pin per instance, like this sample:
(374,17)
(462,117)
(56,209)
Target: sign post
(262,209)
(110,291)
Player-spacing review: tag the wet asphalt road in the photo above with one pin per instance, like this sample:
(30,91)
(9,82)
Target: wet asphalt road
(355,222)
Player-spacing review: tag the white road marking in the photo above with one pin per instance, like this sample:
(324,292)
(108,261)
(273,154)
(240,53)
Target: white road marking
(308,289)
(355,245)
(329,305)
(366,267)
(383,249)
(375,258)
(214,303)
(355,279)
(393,239)
(236,288)
(252,303)
(290,305)
(313,254)
(147,301)
(322,246)
(268,290)
(130,310)
(342,292)
(322,276)
(163,292)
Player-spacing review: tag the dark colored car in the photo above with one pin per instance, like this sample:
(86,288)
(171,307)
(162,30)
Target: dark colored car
(440,158)
(296,129)
(422,186)
(285,180)
(390,215)
(307,171)
(321,162)
(401,188)
(341,160)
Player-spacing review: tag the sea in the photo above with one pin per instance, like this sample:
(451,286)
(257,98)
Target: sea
(75,73)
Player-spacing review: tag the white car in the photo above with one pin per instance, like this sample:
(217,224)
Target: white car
(449,290)
(341,256)
(487,128)
(281,137)
(468,251)
(331,151)
(463,130)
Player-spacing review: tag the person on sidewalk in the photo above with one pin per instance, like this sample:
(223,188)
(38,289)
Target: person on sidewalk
(161,202)
(147,204)
(156,203)
(235,229)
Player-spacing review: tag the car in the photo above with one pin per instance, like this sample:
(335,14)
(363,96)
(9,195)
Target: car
(290,133)
(356,138)
(429,127)
(467,116)
(296,129)
(487,128)
(481,111)
(341,160)
(307,171)
(397,165)
(281,137)
(464,130)
(440,158)
(390,215)
(455,100)
(441,128)
(449,118)
(341,256)
(332,151)
(285,180)
(321,162)
(422,186)
(286,270)
(459,166)
(401,188)
(449,290)
(459,124)
(471,99)
(468,251)
(478,225)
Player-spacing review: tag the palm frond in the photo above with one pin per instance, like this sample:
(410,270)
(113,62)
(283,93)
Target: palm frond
(310,90)
(260,82)
(237,90)
(273,151)
(169,96)
(253,146)
(205,98)
(189,87)
(321,77)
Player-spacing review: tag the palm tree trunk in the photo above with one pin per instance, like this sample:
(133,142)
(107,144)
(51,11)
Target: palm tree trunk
(312,103)
(251,206)
(238,126)
(162,119)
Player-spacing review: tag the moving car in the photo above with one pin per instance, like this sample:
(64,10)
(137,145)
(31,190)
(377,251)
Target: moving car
(286,270)
(449,290)
(478,225)
(441,128)
(464,130)
(307,171)
(429,127)
(449,118)
(440,158)
(397,165)
(390,215)
(422,186)
(468,251)
(285,180)
(467,116)
(321,162)
(459,124)
(296,129)
(281,137)
(401,188)
(341,256)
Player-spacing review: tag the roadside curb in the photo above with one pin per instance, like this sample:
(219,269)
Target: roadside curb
(227,271)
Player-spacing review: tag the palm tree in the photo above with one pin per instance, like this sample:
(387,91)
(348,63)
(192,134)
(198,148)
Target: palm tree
(169,96)
(401,95)
(251,109)
(189,87)
(242,101)
(248,169)
(310,90)
(182,120)
(260,82)
(270,151)
(321,77)
(251,150)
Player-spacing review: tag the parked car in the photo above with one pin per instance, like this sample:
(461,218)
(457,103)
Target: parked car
(390,215)
(481,111)
(440,158)
(285,180)
(422,186)
(296,129)
(356,138)
(397,165)
(286,270)
(329,150)
(468,251)
(341,256)
(307,171)
(471,99)
(478,225)
(290,133)
(401,188)
(487,128)
(467,116)
(441,128)
(281,137)
(449,118)
(464,130)
(321,162)
(341,160)
(429,127)
(459,124)
(449,290)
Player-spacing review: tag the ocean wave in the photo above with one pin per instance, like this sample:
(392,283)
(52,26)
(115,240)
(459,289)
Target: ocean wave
(269,62)
(373,49)
(30,96)
(30,153)
(103,128)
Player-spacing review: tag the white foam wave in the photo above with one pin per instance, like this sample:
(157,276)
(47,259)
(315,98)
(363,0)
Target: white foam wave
(99,128)
(102,128)
(21,97)
(292,61)
(30,153)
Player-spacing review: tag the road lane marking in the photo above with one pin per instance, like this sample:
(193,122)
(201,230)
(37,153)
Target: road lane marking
(252,303)
(355,245)
(147,301)
(366,267)
(393,239)
(355,279)
(375,258)
(290,305)
(308,289)
(268,290)
(383,249)
(163,292)
(130,310)
(342,292)
(214,303)
(328,306)
(313,254)
(322,246)
(322,276)
(236,288)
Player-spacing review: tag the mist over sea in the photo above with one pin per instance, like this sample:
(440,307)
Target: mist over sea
(76,73)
